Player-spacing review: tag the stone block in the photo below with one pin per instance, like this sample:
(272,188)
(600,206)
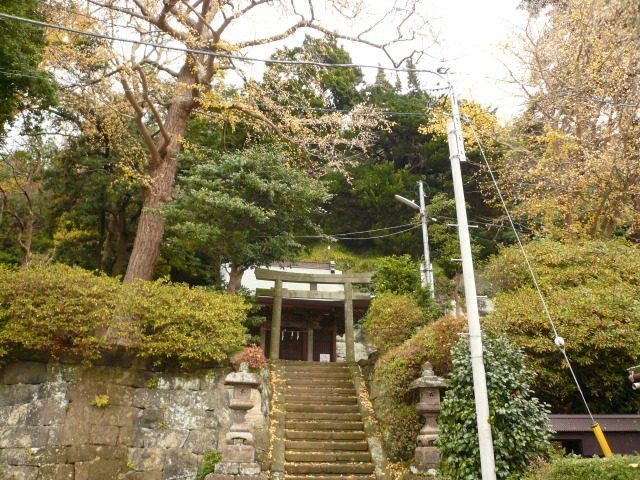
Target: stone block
(18,456)
(120,394)
(55,435)
(119,376)
(180,463)
(147,458)
(115,415)
(200,441)
(106,469)
(24,372)
(150,398)
(85,391)
(184,417)
(14,415)
(238,453)
(249,469)
(81,471)
(213,400)
(183,398)
(131,437)
(227,468)
(148,475)
(167,438)
(76,431)
(103,435)
(51,455)
(213,419)
(427,457)
(149,417)
(46,411)
(20,473)
(82,453)
(58,372)
(17,394)
(56,472)
(23,436)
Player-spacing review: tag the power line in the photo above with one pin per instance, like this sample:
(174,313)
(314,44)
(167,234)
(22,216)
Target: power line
(559,341)
(227,56)
(343,235)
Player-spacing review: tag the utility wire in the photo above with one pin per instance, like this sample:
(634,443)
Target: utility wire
(558,340)
(227,56)
(412,225)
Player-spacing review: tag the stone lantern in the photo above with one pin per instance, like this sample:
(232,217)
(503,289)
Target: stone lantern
(238,450)
(426,454)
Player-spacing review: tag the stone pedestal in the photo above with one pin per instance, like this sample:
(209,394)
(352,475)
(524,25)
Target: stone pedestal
(427,455)
(238,451)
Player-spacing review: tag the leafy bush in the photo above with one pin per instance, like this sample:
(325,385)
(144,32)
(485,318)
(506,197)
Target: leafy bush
(591,289)
(57,309)
(190,324)
(519,422)
(253,355)
(391,320)
(616,467)
(396,369)
(66,310)
(401,275)
(210,460)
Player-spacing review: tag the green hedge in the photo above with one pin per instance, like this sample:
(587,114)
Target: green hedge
(397,368)
(616,467)
(64,310)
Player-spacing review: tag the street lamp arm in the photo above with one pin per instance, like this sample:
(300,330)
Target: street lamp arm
(407,202)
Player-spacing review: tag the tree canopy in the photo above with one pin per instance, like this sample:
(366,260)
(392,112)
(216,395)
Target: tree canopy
(247,208)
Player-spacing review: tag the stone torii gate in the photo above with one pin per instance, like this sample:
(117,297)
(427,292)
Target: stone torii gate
(313,279)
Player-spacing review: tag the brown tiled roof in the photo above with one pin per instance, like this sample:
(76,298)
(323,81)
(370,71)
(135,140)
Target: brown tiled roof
(582,423)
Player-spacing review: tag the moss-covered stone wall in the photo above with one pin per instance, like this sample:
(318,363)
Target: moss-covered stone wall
(76,422)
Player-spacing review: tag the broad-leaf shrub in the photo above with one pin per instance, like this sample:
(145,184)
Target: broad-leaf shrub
(591,289)
(188,324)
(616,467)
(56,309)
(397,368)
(519,421)
(66,310)
(391,320)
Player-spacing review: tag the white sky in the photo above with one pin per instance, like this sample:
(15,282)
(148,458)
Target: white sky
(471,33)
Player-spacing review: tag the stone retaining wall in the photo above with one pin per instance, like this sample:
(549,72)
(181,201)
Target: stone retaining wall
(155,425)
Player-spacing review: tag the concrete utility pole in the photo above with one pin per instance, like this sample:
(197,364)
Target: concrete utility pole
(485,439)
(427,268)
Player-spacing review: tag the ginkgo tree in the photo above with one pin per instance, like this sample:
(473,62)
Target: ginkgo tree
(164,88)
(574,167)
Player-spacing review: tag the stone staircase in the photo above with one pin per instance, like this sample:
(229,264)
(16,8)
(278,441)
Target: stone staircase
(324,433)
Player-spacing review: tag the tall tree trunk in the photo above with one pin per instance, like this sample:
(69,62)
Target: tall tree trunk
(25,245)
(148,241)
(235,278)
(123,241)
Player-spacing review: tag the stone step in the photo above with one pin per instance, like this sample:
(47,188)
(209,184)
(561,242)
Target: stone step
(321,457)
(322,399)
(327,425)
(327,373)
(340,468)
(315,446)
(344,417)
(329,477)
(315,382)
(311,408)
(320,390)
(324,435)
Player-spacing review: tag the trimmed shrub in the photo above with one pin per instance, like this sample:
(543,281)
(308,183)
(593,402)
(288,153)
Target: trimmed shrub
(397,368)
(172,320)
(64,310)
(519,422)
(58,309)
(391,320)
(616,467)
